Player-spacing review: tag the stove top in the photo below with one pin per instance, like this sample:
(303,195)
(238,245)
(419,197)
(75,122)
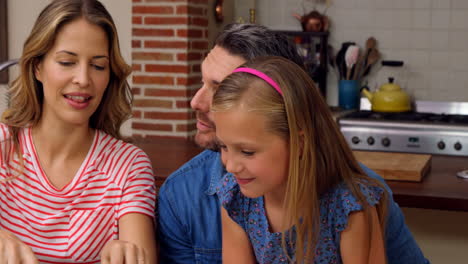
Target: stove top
(428,118)
(413,132)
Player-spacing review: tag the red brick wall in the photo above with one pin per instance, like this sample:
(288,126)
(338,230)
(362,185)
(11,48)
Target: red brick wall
(169,41)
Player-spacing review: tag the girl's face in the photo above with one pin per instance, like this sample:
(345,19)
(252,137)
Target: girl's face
(74,73)
(258,159)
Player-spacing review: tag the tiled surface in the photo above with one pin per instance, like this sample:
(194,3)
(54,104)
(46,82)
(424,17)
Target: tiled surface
(431,36)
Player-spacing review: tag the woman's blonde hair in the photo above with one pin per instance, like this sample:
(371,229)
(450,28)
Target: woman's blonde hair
(26,94)
(319,158)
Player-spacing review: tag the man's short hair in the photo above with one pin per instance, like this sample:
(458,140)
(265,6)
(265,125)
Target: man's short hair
(250,41)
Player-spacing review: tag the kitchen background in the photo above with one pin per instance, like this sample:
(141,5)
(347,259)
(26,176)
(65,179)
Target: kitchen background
(431,36)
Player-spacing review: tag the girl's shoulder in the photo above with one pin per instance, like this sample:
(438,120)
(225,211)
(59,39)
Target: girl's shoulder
(228,191)
(339,202)
(239,207)
(342,193)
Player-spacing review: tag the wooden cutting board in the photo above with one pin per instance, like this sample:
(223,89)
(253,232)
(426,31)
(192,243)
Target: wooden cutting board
(396,166)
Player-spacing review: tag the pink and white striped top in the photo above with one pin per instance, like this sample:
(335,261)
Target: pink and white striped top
(73,224)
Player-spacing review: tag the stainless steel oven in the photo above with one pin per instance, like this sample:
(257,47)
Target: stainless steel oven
(434,128)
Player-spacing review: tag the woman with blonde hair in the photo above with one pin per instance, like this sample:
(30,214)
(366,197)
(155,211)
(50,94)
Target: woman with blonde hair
(71,190)
(294,193)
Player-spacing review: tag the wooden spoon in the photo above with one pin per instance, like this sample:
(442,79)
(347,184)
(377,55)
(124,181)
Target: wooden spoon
(373,57)
(360,64)
(371,43)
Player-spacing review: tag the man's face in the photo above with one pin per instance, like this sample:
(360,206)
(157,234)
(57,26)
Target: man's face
(216,66)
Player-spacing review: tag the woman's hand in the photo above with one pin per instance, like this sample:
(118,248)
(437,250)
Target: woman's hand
(120,252)
(14,251)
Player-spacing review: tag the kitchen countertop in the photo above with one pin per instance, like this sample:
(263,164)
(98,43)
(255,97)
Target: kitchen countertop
(440,189)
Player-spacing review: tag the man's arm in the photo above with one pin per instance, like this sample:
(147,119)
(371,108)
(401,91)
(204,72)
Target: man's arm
(175,243)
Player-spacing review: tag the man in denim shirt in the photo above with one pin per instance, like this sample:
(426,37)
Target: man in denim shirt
(189,210)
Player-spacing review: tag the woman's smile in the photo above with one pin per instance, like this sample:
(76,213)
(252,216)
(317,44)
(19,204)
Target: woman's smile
(78,100)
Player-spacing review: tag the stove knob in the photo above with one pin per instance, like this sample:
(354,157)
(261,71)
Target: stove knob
(370,140)
(457,146)
(386,142)
(355,140)
(441,145)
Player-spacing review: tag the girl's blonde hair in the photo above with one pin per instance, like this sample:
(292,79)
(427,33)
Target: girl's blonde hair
(319,158)
(26,94)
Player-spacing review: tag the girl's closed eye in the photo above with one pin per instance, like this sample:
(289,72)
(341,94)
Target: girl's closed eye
(248,153)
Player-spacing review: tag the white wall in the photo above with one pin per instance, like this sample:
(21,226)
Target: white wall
(431,36)
(23,13)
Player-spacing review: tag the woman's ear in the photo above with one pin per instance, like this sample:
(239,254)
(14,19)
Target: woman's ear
(37,71)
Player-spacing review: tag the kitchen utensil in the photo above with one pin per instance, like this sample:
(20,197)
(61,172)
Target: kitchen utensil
(373,57)
(351,56)
(340,59)
(389,98)
(358,67)
(371,43)
(396,166)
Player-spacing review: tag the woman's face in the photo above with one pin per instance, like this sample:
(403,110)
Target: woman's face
(74,73)
(257,158)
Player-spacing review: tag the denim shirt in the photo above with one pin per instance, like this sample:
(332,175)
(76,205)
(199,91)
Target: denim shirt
(189,212)
(190,223)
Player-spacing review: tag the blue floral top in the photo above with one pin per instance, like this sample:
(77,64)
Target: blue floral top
(335,206)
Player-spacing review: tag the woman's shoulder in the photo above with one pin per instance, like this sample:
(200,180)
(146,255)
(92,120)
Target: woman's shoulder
(114,154)
(110,145)
(4,132)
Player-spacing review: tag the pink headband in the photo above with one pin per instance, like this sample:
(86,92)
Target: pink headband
(262,76)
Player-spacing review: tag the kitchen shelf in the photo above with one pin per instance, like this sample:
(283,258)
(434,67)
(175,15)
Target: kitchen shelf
(313,46)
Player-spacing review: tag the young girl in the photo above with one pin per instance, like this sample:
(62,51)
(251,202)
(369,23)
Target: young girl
(294,191)
(70,190)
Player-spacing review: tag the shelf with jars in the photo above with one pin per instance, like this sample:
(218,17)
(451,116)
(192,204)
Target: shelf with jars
(313,47)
